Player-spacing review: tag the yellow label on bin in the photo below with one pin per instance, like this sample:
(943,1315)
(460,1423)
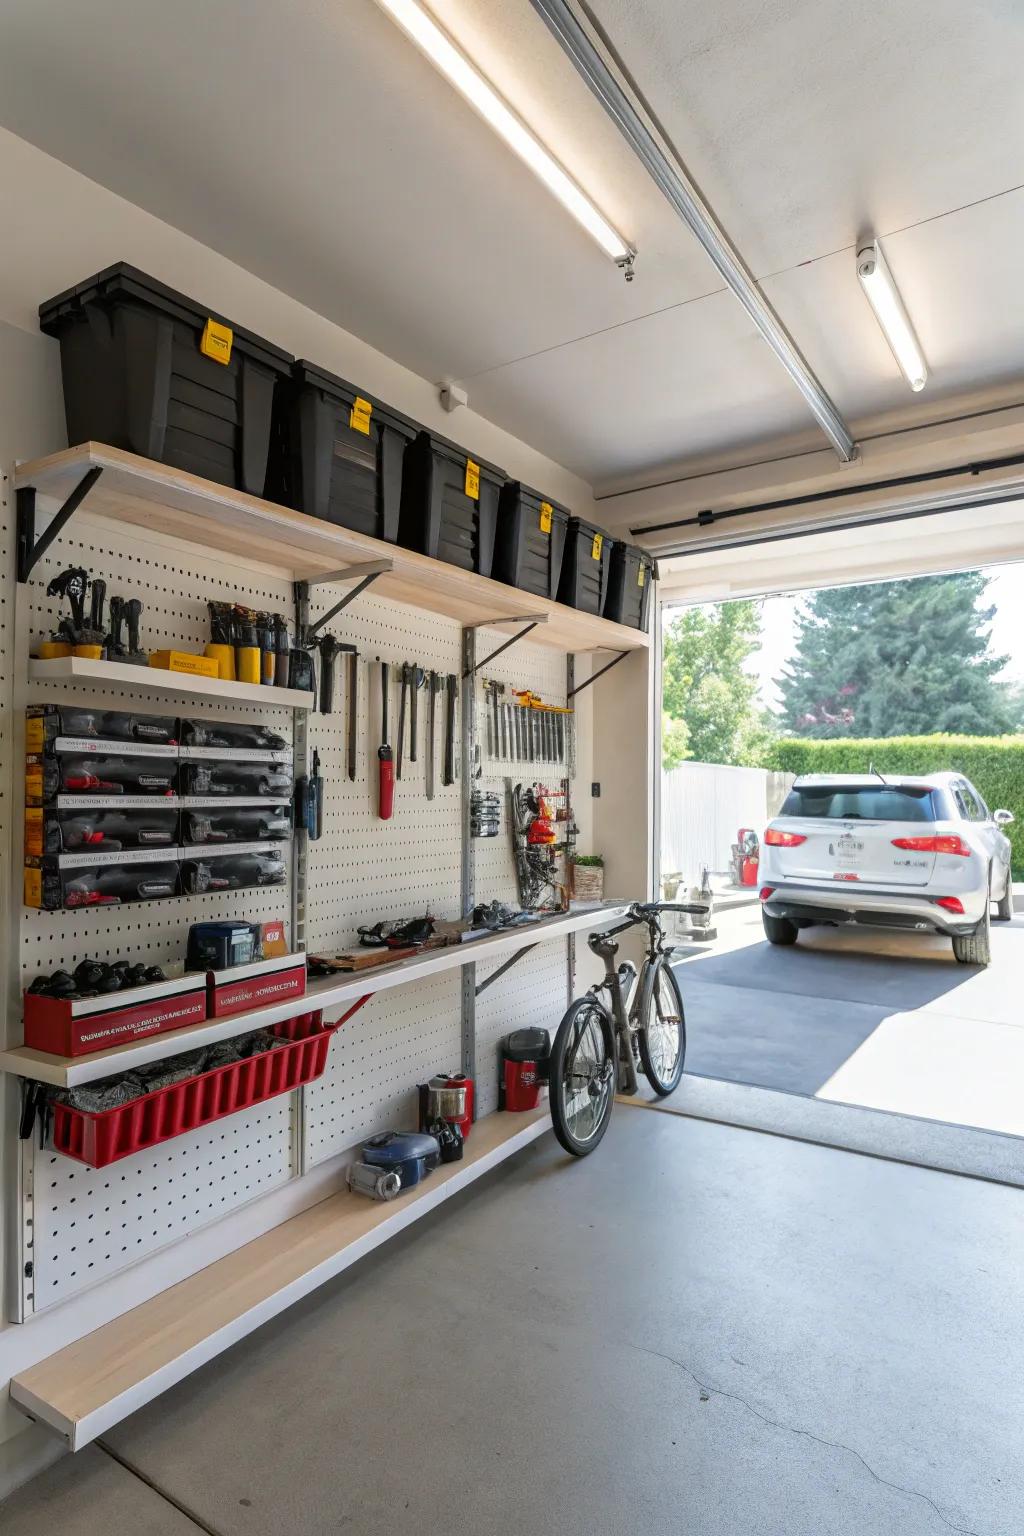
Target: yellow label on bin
(472,480)
(216,341)
(34,783)
(359,415)
(595,548)
(641,573)
(34,735)
(545,517)
(33,887)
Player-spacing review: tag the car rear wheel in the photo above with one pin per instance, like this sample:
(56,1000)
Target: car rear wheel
(778,930)
(974,948)
(1004,906)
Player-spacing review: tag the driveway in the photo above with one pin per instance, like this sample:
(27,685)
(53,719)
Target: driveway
(886,1020)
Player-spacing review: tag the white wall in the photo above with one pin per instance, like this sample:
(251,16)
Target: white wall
(59,228)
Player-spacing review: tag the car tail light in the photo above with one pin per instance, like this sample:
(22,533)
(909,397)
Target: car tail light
(765,892)
(951,904)
(776,839)
(946,843)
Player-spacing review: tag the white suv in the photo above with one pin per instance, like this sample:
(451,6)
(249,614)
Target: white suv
(919,853)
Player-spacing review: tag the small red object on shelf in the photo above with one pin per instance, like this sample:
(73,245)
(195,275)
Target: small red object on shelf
(110,1134)
(63,1026)
(257,985)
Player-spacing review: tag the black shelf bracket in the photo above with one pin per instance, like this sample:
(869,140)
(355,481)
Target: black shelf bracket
(506,965)
(31,549)
(528,620)
(365,575)
(607,668)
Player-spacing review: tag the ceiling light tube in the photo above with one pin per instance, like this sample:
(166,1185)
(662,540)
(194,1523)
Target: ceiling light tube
(456,68)
(883,296)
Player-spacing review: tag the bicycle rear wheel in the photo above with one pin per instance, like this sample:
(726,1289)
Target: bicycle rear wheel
(661,1033)
(581,1077)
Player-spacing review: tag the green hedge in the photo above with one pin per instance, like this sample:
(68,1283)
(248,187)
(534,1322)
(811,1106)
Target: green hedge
(995,764)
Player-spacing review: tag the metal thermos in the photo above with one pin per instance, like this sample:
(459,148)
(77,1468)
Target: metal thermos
(450,1097)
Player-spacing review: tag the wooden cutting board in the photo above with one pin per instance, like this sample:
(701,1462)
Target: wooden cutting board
(362,959)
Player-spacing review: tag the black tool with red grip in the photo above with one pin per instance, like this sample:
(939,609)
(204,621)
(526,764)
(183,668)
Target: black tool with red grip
(385,761)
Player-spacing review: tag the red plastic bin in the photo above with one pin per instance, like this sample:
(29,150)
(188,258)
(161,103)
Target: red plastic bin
(107,1135)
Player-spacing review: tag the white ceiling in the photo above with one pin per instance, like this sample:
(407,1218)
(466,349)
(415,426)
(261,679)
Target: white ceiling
(312,144)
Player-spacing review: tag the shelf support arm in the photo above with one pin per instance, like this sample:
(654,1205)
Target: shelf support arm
(606,668)
(506,965)
(366,573)
(528,620)
(31,549)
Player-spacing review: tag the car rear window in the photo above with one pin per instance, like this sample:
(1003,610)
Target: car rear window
(846,802)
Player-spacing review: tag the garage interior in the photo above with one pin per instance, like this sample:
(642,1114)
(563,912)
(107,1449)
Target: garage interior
(651,314)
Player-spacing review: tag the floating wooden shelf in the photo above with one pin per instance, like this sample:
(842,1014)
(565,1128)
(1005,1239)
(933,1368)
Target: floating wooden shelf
(145,494)
(85,1388)
(121,675)
(333,994)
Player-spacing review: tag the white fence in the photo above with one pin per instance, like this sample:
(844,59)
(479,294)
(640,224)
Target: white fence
(703,805)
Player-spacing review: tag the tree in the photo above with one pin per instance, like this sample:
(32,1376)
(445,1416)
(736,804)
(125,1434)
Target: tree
(705,686)
(898,658)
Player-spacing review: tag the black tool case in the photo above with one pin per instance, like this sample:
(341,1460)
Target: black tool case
(339,453)
(530,540)
(152,371)
(584,579)
(449,503)
(632,573)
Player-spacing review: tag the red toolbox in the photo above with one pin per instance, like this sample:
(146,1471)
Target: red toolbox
(107,1135)
(259,984)
(77,1026)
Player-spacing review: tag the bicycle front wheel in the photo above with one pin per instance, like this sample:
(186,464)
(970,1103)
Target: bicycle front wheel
(661,1033)
(581,1077)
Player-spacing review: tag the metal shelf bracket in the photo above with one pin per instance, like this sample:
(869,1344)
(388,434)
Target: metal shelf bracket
(363,575)
(528,620)
(31,549)
(600,673)
(506,965)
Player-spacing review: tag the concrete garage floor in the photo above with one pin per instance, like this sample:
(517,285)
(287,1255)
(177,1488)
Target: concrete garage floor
(698,1329)
(884,1020)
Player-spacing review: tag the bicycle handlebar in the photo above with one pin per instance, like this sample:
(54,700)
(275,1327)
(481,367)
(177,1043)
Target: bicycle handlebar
(695,909)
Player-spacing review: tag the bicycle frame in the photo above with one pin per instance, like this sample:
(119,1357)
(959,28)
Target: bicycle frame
(626,988)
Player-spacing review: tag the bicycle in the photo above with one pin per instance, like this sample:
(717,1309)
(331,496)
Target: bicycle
(641,1023)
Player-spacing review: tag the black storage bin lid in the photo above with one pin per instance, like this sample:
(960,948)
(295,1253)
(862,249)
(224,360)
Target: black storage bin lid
(312,376)
(517,490)
(123,281)
(447,449)
(526,1045)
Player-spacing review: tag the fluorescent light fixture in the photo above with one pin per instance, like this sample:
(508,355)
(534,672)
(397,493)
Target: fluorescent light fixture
(883,296)
(426,33)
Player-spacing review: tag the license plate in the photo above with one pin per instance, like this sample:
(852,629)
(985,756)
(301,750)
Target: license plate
(848,851)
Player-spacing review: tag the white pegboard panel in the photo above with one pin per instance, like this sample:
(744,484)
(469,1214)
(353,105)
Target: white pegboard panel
(362,868)
(90,1222)
(532,994)
(394,1042)
(179,1187)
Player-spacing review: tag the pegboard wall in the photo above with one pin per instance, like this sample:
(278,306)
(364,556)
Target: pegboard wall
(87,1224)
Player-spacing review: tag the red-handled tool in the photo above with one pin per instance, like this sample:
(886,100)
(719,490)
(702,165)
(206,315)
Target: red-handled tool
(385,763)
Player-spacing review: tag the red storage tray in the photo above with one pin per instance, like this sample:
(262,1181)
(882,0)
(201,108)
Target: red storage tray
(110,1134)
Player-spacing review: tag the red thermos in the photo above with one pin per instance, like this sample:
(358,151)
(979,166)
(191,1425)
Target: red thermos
(524,1065)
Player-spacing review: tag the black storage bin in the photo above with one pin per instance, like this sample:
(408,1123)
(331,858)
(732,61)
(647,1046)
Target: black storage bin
(631,576)
(530,540)
(441,515)
(341,453)
(135,377)
(584,579)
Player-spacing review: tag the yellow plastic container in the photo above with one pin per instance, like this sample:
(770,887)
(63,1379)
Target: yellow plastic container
(185,661)
(224,656)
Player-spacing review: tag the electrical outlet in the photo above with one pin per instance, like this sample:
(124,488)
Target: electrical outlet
(595,791)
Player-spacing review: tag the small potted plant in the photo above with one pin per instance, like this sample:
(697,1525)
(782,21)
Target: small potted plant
(588,877)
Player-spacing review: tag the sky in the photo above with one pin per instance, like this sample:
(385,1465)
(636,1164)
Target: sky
(778,630)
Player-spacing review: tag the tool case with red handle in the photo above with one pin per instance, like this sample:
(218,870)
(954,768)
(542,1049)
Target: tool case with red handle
(106,1136)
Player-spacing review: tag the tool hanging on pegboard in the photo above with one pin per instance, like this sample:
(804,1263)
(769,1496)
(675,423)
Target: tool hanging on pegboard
(484,813)
(527,730)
